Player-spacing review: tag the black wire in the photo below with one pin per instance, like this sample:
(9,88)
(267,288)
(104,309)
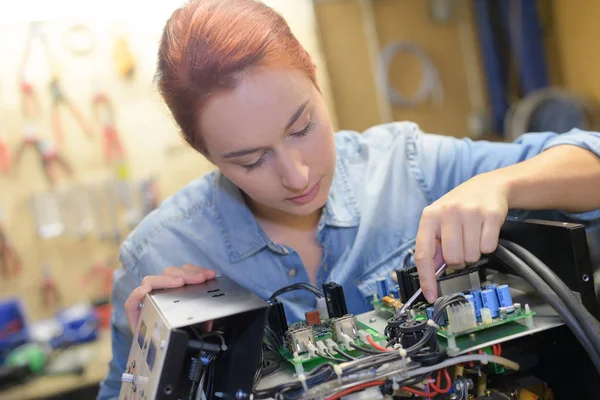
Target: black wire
(344,354)
(524,271)
(589,324)
(297,286)
(368,351)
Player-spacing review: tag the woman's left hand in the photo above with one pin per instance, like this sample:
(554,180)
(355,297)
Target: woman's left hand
(460,227)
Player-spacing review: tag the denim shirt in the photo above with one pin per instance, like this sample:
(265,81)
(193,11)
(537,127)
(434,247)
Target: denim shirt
(383,179)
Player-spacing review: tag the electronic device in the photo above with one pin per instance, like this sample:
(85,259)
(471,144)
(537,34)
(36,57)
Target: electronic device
(505,327)
(204,337)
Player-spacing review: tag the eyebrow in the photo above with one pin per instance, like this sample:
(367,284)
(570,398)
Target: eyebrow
(291,122)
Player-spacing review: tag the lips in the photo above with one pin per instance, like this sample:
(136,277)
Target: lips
(308,196)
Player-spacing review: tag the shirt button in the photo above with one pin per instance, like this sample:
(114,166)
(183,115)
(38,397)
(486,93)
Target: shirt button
(292,272)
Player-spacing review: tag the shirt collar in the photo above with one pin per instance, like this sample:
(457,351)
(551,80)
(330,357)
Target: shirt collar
(244,237)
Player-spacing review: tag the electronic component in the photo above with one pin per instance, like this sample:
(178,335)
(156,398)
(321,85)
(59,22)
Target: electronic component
(299,339)
(443,319)
(312,317)
(411,331)
(471,299)
(382,287)
(336,302)
(478,302)
(344,325)
(408,284)
(277,320)
(504,297)
(486,316)
(459,281)
(176,325)
(490,301)
(461,317)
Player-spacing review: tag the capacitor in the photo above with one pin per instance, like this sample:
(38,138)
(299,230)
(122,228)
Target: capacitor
(491,286)
(471,299)
(477,300)
(490,301)
(504,297)
(382,287)
(442,321)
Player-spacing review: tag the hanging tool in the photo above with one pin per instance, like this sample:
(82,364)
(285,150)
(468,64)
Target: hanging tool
(10,262)
(46,211)
(124,59)
(104,113)
(49,157)
(59,99)
(30,107)
(49,291)
(58,96)
(100,271)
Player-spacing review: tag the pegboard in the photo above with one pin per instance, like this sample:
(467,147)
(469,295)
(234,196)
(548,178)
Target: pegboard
(86,233)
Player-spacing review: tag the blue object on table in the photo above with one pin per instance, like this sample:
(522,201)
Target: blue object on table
(80,325)
(13,326)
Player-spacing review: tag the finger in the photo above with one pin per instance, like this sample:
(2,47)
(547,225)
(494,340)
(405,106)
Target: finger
(425,248)
(471,230)
(132,304)
(210,273)
(190,273)
(490,232)
(452,240)
(163,281)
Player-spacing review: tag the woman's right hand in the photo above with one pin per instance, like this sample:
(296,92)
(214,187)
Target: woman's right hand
(172,277)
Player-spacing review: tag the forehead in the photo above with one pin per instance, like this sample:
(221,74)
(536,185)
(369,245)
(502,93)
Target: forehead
(256,111)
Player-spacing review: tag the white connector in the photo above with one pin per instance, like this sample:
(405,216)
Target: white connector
(322,308)
(331,345)
(312,350)
(461,317)
(321,346)
(363,336)
(347,341)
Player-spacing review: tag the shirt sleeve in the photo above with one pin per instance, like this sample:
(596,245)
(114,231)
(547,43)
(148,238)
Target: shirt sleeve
(441,163)
(124,282)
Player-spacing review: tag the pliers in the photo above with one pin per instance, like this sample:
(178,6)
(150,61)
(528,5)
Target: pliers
(105,115)
(49,157)
(58,99)
(50,295)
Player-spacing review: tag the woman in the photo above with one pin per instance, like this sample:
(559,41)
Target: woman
(292,202)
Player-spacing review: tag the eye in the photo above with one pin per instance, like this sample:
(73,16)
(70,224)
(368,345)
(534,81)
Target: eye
(305,131)
(255,165)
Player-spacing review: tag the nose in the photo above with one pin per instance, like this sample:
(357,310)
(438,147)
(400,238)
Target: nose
(294,174)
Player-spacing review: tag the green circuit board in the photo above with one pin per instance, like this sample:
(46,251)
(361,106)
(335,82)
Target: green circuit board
(323,332)
(482,333)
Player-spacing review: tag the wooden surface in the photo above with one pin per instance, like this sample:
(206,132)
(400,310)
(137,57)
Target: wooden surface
(344,43)
(45,387)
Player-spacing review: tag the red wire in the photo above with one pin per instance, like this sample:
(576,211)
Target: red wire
(438,389)
(375,345)
(355,389)
(419,392)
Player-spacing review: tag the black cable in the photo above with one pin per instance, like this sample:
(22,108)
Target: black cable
(590,325)
(524,271)
(368,351)
(297,286)
(344,354)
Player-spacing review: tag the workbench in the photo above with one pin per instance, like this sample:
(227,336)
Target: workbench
(46,387)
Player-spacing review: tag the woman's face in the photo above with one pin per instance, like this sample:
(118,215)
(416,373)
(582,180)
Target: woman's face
(272,137)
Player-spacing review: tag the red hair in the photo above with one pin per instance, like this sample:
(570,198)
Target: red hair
(207,46)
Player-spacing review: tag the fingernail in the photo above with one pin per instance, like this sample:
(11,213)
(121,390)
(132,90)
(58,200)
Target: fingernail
(147,288)
(429,296)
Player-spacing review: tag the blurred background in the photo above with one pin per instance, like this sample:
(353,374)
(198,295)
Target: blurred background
(87,148)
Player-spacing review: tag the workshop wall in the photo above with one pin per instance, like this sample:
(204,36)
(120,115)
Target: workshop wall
(576,32)
(152,144)
(452,47)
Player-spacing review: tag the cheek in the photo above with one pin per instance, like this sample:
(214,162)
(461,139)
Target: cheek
(257,184)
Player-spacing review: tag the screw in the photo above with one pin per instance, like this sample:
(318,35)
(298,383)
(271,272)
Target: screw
(472,336)
(585,277)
